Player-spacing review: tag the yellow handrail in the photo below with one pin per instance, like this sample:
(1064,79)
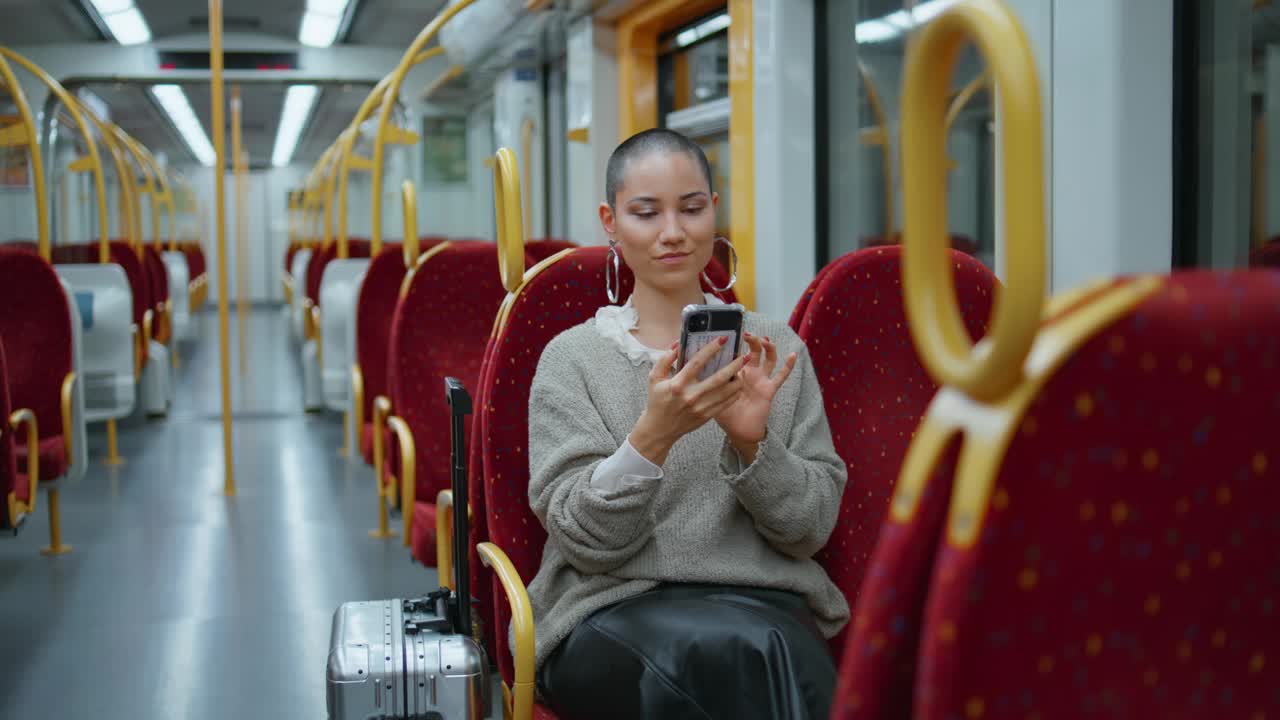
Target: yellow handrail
(507,213)
(148,186)
(994,366)
(94,163)
(28,123)
(409,204)
(371,101)
(384,134)
(217,99)
(884,139)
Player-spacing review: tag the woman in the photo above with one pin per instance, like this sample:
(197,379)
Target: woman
(682,516)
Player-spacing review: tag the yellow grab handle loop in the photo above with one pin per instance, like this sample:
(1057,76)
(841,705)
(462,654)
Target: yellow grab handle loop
(992,367)
(409,201)
(507,209)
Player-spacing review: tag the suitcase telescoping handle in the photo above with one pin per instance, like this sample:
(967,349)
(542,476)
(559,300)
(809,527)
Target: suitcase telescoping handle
(459,409)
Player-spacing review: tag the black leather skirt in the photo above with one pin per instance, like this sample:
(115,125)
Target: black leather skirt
(693,651)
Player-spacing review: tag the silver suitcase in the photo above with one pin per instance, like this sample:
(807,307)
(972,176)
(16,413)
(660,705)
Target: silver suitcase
(393,659)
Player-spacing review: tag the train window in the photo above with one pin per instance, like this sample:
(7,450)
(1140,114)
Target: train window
(17,201)
(1226,125)
(693,95)
(861,52)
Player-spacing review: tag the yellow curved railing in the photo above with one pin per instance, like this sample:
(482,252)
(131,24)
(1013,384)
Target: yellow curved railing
(507,209)
(985,389)
(350,161)
(882,138)
(388,133)
(147,188)
(24,134)
(92,162)
(993,367)
(409,207)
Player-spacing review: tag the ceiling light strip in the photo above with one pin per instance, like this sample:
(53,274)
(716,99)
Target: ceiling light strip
(322,21)
(298,102)
(175,104)
(123,20)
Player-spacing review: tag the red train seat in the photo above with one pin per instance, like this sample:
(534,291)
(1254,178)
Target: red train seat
(454,293)
(38,336)
(874,387)
(18,485)
(1123,558)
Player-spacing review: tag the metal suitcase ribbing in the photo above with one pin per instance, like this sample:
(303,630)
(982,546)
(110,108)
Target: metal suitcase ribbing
(393,659)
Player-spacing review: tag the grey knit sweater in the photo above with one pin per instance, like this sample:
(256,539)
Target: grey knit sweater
(708,520)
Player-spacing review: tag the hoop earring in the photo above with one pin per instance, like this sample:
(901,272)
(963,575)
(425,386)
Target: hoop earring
(612,282)
(733,272)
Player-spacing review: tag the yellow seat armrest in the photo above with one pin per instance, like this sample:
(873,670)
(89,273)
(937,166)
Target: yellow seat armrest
(521,627)
(17,508)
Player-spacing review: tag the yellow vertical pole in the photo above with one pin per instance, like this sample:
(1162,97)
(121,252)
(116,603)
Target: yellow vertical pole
(237,165)
(113,447)
(742,170)
(220,197)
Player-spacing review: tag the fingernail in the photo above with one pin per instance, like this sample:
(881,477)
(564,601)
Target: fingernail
(723,340)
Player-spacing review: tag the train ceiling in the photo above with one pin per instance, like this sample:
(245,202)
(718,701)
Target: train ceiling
(387,23)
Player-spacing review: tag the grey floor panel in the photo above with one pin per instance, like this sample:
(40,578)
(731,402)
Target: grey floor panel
(179,602)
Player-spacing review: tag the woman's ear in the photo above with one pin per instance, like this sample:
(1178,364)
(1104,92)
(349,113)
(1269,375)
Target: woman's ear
(715,200)
(607,219)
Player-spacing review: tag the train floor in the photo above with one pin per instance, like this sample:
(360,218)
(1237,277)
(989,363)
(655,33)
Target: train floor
(180,602)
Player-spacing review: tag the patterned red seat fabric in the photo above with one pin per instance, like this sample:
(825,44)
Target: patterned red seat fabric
(539,250)
(440,328)
(11,483)
(1266,256)
(564,294)
(375,306)
(36,330)
(288,256)
(158,284)
(874,387)
(320,257)
(1126,565)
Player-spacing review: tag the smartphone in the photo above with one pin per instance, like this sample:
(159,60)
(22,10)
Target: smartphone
(702,324)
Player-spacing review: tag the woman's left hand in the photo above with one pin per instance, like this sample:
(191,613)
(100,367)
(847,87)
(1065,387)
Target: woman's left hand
(746,419)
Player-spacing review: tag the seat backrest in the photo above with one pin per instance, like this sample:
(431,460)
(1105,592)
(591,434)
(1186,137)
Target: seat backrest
(288,256)
(358,248)
(375,307)
(9,482)
(440,329)
(157,275)
(561,295)
(1125,562)
(123,255)
(195,259)
(1266,256)
(539,250)
(36,329)
(78,254)
(320,257)
(874,387)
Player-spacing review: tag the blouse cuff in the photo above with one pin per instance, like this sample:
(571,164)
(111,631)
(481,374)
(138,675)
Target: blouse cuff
(624,469)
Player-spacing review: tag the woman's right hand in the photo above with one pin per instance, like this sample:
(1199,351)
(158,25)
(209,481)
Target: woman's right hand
(679,404)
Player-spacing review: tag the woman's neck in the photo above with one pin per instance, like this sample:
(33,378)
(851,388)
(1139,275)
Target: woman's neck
(658,313)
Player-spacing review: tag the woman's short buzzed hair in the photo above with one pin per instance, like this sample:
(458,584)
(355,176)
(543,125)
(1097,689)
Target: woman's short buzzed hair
(643,143)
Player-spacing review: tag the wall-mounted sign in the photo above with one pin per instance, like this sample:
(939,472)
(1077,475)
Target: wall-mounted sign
(444,150)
